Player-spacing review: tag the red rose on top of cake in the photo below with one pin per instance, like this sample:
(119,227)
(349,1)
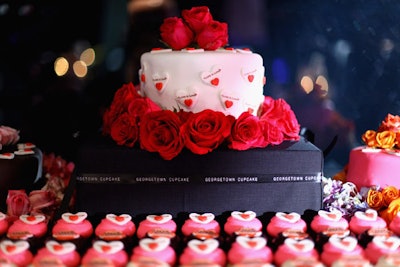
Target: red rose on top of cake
(197,26)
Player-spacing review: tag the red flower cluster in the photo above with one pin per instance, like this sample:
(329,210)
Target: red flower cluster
(387,136)
(196,26)
(132,119)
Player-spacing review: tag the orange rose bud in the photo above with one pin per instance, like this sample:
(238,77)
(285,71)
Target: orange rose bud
(369,138)
(375,199)
(389,194)
(386,139)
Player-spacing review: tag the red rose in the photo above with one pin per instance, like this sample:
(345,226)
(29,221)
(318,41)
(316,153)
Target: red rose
(142,105)
(272,134)
(8,135)
(17,203)
(197,17)
(175,33)
(41,199)
(247,132)
(160,132)
(124,131)
(206,130)
(213,36)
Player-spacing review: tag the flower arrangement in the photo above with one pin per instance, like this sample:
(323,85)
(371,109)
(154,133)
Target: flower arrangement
(387,136)
(134,119)
(196,28)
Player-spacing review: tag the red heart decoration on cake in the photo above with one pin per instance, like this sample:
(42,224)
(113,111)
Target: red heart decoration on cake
(159,86)
(250,78)
(32,219)
(334,215)
(159,219)
(160,81)
(248,74)
(215,81)
(156,244)
(347,243)
(26,151)
(203,246)
(228,99)
(254,243)
(74,217)
(212,77)
(304,245)
(188,97)
(7,155)
(119,219)
(60,248)
(202,218)
(108,247)
(387,242)
(188,102)
(292,217)
(143,78)
(244,216)
(10,247)
(368,215)
(22,146)
(228,103)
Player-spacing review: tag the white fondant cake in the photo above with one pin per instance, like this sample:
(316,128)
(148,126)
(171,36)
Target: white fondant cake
(226,80)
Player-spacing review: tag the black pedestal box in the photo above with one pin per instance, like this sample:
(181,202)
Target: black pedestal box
(115,179)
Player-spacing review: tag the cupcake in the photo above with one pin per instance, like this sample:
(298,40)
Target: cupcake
(242,224)
(355,260)
(116,227)
(155,251)
(201,226)
(155,226)
(303,262)
(31,228)
(15,253)
(103,253)
(292,249)
(246,250)
(382,246)
(203,252)
(362,221)
(3,224)
(336,247)
(391,260)
(73,227)
(57,254)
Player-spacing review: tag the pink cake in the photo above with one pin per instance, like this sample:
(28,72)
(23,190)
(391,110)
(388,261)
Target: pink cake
(3,224)
(362,221)
(15,252)
(378,162)
(337,248)
(28,227)
(246,250)
(382,246)
(199,252)
(115,227)
(155,251)
(72,226)
(157,226)
(292,249)
(243,224)
(201,226)
(282,221)
(103,253)
(57,254)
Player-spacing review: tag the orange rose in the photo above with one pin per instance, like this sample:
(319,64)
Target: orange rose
(369,138)
(390,123)
(386,139)
(375,199)
(389,194)
(392,210)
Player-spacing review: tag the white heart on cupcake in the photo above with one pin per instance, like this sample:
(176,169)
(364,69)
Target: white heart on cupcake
(244,216)
(202,218)
(333,215)
(387,242)
(74,217)
(292,217)
(160,81)
(22,146)
(368,215)
(25,151)
(32,219)
(60,248)
(304,245)
(229,99)
(212,77)
(187,98)
(108,247)
(254,243)
(7,155)
(160,219)
(154,244)
(249,74)
(119,219)
(203,246)
(10,247)
(347,243)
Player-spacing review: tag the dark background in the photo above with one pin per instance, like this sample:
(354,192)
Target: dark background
(353,44)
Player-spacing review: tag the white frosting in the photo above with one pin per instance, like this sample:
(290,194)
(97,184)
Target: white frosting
(230,81)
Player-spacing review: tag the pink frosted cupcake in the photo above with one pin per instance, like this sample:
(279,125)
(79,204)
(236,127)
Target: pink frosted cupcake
(201,226)
(3,224)
(337,248)
(201,252)
(362,221)
(292,249)
(116,227)
(103,253)
(31,228)
(57,254)
(15,253)
(285,221)
(382,246)
(157,226)
(242,224)
(156,251)
(246,250)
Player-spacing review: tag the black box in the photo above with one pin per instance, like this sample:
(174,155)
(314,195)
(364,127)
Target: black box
(287,177)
